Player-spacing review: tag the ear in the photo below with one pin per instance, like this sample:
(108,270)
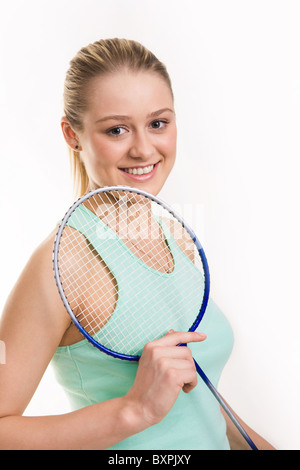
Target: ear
(69,135)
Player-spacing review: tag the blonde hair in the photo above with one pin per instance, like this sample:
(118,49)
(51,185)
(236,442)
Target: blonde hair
(101,57)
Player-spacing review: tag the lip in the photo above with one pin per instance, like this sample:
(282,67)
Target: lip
(140,178)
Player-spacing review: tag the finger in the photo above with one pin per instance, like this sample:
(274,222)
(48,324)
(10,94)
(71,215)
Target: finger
(188,376)
(172,338)
(178,371)
(188,387)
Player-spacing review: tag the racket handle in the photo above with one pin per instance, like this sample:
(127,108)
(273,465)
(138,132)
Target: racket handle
(224,406)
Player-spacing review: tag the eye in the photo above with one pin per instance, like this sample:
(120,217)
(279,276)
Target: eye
(116,131)
(158,124)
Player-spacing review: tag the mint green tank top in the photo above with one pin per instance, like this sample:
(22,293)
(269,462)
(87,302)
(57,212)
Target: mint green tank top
(90,376)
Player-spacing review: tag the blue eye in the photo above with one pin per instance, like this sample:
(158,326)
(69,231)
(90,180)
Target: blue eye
(116,131)
(158,124)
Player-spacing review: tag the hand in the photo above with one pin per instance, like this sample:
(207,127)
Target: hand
(164,370)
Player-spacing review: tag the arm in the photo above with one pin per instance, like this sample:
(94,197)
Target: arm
(32,325)
(236,440)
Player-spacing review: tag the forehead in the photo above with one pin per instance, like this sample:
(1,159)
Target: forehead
(125,90)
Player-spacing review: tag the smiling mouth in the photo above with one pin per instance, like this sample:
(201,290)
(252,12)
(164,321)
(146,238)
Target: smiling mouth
(139,170)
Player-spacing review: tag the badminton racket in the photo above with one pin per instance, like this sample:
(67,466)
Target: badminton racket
(122,229)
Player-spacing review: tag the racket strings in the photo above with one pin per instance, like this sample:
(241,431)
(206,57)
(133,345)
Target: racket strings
(92,302)
(156,254)
(91,287)
(136,227)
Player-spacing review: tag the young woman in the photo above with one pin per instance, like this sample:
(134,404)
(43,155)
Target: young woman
(120,126)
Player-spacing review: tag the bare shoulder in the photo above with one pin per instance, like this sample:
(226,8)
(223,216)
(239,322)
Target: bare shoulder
(34,297)
(38,270)
(32,324)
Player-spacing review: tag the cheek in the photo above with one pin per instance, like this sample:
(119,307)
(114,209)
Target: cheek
(169,144)
(101,152)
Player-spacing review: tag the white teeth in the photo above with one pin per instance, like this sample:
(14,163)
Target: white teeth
(139,171)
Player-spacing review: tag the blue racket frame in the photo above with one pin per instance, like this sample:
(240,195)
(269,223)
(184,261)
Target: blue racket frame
(106,350)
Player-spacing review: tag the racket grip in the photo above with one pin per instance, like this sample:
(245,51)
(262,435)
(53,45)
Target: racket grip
(224,406)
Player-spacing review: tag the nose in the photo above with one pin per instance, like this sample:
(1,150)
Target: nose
(141,146)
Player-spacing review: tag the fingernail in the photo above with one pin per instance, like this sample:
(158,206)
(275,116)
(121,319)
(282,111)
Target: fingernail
(201,335)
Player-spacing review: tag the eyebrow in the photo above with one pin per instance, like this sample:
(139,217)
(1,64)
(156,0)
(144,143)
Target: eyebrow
(118,117)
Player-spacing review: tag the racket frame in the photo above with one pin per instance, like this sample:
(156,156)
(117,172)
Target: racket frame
(174,214)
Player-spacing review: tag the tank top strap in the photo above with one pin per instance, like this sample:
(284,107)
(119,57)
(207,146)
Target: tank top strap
(113,250)
(105,241)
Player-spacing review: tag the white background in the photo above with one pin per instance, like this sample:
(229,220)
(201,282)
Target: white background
(236,77)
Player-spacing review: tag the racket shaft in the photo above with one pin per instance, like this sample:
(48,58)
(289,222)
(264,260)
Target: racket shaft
(224,406)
